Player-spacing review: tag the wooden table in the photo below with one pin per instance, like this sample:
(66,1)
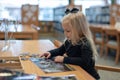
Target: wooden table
(22,31)
(37,47)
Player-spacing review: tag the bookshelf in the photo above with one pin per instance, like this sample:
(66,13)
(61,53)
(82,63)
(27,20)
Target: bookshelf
(109,14)
(46,26)
(98,14)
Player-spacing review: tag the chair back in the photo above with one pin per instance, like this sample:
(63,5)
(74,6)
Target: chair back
(112,32)
(29,14)
(97,32)
(57,43)
(111,35)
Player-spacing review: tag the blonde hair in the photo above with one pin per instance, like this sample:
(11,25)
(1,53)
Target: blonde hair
(79,26)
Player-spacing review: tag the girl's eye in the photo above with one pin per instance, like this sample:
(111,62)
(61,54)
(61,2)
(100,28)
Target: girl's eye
(67,31)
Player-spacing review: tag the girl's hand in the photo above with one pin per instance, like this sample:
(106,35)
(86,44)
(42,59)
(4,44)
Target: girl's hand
(58,59)
(46,55)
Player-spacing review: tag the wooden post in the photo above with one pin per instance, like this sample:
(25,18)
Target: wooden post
(71,2)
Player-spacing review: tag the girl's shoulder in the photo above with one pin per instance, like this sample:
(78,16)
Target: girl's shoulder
(83,41)
(67,42)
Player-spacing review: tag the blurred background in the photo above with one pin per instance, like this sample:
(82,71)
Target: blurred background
(47,15)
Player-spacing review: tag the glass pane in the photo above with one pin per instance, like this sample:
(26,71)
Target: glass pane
(46,8)
(46,14)
(87,3)
(11,9)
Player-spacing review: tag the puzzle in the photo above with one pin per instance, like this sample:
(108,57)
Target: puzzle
(48,66)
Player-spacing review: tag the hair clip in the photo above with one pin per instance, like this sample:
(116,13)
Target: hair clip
(73,10)
(67,11)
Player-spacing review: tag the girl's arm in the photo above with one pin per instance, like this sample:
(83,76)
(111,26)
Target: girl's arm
(85,58)
(58,51)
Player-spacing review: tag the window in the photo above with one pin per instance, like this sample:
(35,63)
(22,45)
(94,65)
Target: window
(46,8)
(12,8)
(87,3)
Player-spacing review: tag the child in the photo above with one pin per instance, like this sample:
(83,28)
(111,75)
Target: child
(78,48)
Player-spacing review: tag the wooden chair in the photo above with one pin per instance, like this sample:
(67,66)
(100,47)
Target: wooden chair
(98,37)
(98,67)
(30,14)
(112,44)
(57,43)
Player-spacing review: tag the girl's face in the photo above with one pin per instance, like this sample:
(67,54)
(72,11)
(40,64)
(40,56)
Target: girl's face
(67,30)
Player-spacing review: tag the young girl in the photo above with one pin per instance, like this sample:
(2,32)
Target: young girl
(78,48)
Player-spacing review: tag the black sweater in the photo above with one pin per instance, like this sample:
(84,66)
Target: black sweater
(80,54)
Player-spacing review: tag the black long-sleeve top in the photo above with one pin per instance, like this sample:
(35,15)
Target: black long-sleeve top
(80,54)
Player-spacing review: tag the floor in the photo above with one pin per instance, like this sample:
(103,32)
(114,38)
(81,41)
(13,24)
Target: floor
(109,60)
